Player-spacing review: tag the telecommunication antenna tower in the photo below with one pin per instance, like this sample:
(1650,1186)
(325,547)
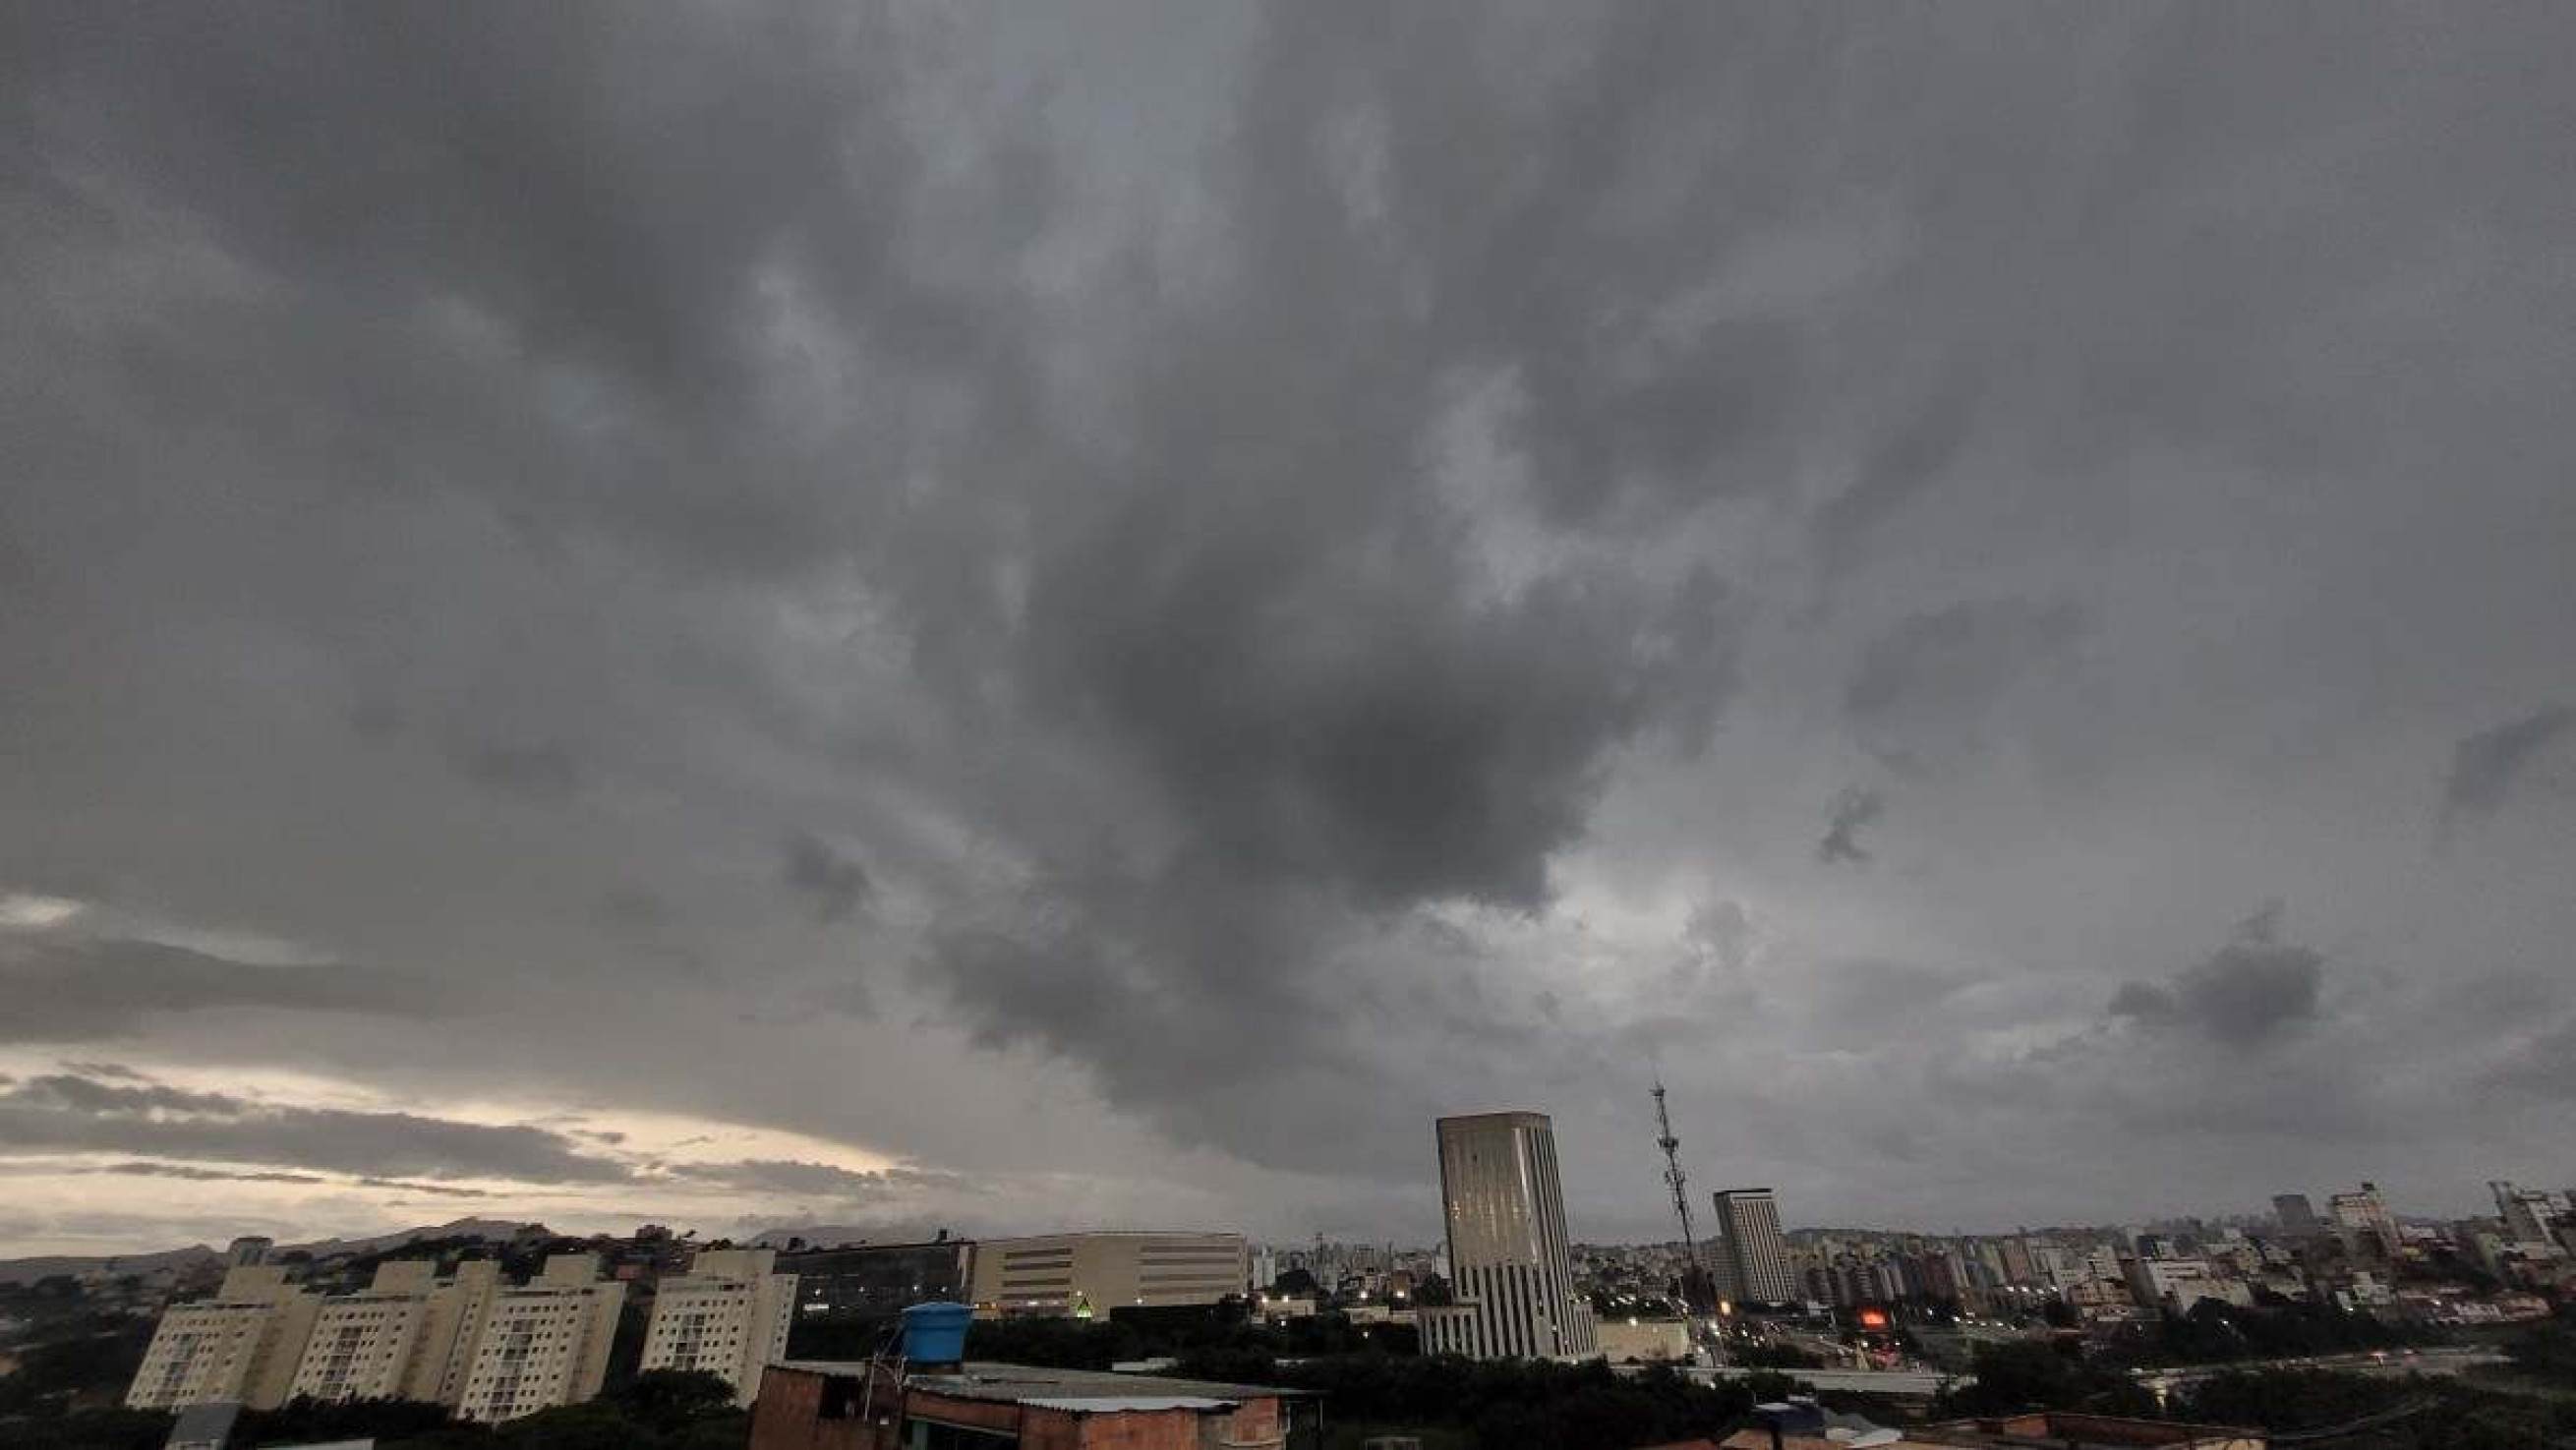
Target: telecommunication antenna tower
(1672,1147)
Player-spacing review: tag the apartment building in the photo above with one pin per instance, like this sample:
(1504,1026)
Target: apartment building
(728,1315)
(1082,1274)
(543,1343)
(242,1345)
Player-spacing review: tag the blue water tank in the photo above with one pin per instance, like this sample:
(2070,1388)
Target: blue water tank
(936,1333)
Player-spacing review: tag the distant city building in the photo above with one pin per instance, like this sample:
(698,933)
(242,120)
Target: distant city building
(1085,1274)
(241,1345)
(2528,1213)
(1510,1271)
(1756,1254)
(248,1250)
(2363,1220)
(728,1315)
(543,1343)
(2297,1216)
(2179,1283)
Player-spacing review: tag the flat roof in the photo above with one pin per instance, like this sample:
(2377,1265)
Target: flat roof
(1020,1384)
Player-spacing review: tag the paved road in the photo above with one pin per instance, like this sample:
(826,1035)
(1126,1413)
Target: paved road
(2396,1363)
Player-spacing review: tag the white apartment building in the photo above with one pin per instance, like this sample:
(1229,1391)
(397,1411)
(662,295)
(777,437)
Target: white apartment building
(405,1336)
(363,1345)
(543,1343)
(728,1315)
(1092,1273)
(243,1345)
(1505,1209)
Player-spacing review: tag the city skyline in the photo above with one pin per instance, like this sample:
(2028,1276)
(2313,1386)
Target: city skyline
(891,614)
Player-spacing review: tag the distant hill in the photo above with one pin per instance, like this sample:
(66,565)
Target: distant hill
(200,1257)
(27,1271)
(497,1230)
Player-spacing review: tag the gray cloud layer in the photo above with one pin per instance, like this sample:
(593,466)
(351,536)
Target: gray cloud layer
(1257,568)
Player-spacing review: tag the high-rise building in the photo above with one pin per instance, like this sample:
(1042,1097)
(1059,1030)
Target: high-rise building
(383,1342)
(242,1345)
(2297,1216)
(728,1315)
(1756,1253)
(2527,1212)
(2362,1218)
(248,1250)
(1509,1267)
(1083,1274)
(543,1343)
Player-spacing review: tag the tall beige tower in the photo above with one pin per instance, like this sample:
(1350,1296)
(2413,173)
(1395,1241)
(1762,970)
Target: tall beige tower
(1508,1261)
(1756,1252)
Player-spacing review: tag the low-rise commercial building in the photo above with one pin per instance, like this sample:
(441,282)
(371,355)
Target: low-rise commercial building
(728,1316)
(1083,1274)
(1644,1341)
(847,1298)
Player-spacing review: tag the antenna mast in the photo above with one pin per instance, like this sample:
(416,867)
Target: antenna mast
(1672,1146)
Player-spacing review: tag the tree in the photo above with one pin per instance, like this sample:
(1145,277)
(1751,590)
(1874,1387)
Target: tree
(664,1400)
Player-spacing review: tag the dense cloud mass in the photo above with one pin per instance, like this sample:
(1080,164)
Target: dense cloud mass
(1027,616)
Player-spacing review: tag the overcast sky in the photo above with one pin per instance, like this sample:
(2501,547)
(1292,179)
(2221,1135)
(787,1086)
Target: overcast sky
(1014,617)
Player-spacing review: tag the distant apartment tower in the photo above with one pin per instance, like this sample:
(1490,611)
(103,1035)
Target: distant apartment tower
(2297,1216)
(1083,1274)
(1755,1251)
(543,1343)
(2526,1212)
(2363,1219)
(729,1316)
(248,1250)
(241,1345)
(1505,1210)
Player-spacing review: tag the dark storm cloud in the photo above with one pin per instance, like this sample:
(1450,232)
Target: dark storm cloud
(2486,767)
(1856,807)
(835,885)
(2251,991)
(82,990)
(790,1177)
(1922,692)
(61,1112)
(191,1173)
(550,772)
(1248,516)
